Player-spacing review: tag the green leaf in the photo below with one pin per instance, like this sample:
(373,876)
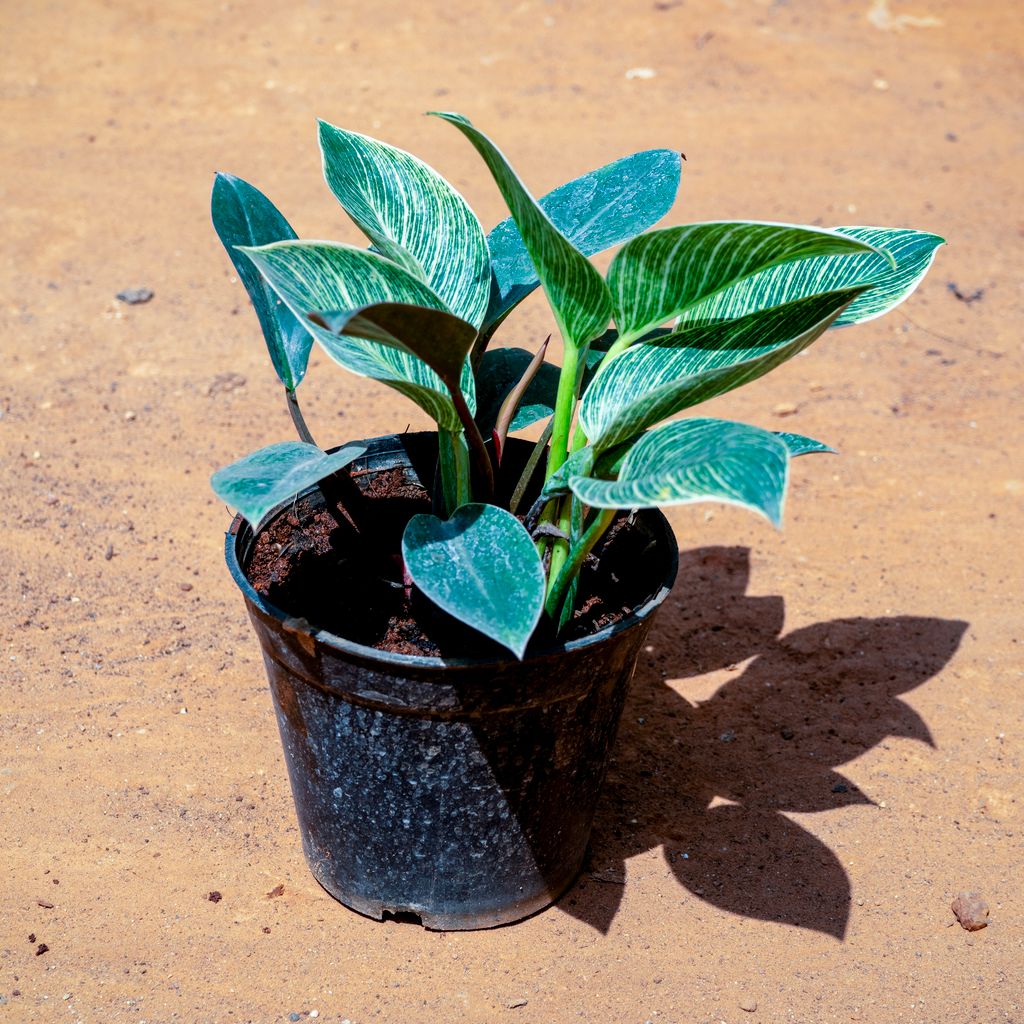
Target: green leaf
(481,567)
(797,444)
(912,252)
(441,339)
(578,296)
(650,382)
(329,276)
(662,273)
(242,215)
(579,463)
(263,480)
(412,215)
(594,212)
(695,460)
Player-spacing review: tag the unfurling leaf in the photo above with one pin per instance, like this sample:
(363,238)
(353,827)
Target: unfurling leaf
(594,212)
(412,215)
(265,479)
(579,297)
(695,460)
(481,567)
(243,215)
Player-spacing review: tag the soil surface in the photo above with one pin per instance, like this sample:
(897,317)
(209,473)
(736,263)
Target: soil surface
(822,747)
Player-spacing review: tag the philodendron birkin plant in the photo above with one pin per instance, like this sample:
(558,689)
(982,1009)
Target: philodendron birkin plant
(684,314)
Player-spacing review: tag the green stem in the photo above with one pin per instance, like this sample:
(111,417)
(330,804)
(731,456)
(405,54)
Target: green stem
(569,571)
(453,461)
(565,405)
(297,419)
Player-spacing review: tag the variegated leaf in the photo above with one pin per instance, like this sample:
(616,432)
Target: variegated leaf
(662,273)
(797,444)
(480,566)
(412,215)
(912,252)
(606,207)
(267,478)
(695,460)
(578,296)
(318,276)
(650,382)
(243,215)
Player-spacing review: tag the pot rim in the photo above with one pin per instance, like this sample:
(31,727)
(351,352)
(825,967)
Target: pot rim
(240,527)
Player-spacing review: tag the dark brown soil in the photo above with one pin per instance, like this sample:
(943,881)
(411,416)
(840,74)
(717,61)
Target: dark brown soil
(339,566)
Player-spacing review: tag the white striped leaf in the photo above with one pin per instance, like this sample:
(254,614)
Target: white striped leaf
(652,381)
(912,252)
(661,274)
(441,339)
(606,207)
(482,567)
(243,215)
(312,277)
(578,296)
(695,460)
(265,479)
(412,215)
(797,444)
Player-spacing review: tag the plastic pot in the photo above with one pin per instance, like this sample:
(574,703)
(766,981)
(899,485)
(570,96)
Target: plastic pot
(461,791)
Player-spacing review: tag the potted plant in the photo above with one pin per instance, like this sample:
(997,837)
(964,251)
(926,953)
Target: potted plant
(449,620)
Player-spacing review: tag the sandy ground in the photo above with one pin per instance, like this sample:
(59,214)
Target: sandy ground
(140,767)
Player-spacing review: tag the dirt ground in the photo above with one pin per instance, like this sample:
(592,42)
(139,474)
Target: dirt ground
(823,742)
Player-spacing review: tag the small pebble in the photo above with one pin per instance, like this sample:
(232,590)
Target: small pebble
(514,1004)
(748,1004)
(787,734)
(314,1013)
(215,897)
(970,910)
(293,1017)
(129,416)
(42,948)
(784,409)
(727,737)
(641,73)
(135,296)
(185,586)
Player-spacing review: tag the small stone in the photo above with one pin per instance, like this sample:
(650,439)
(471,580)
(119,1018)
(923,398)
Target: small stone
(225,383)
(747,1004)
(51,499)
(784,409)
(787,734)
(215,897)
(514,1004)
(293,1017)
(45,904)
(727,737)
(185,586)
(109,553)
(641,73)
(42,948)
(971,911)
(135,296)
(314,1013)
(278,890)
(129,416)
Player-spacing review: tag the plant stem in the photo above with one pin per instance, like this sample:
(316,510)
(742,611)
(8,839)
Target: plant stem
(477,448)
(565,404)
(297,419)
(531,464)
(569,571)
(453,462)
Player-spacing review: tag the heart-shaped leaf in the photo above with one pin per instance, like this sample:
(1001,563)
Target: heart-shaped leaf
(652,381)
(412,215)
(662,273)
(263,480)
(594,212)
(797,444)
(481,567)
(578,296)
(243,215)
(319,276)
(894,271)
(695,460)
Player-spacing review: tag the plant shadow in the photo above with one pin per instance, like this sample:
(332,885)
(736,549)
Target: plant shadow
(712,782)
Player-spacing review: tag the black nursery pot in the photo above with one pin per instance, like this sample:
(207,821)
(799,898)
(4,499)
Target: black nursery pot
(461,791)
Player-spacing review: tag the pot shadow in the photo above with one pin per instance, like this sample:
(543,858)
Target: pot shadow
(711,782)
